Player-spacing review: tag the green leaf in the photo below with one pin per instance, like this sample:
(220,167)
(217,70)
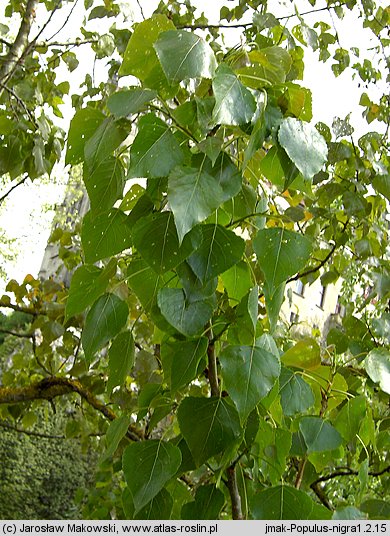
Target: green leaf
(105,234)
(286,502)
(348,512)
(129,101)
(281,254)
(82,127)
(189,318)
(219,249)
(272,445)
(319,435)
(104,184)
(140,58)
(237,281)
(277,167)
(155,150)
(115,432)
(146,283)
(87,284)
(234,103)
(376,508)
(193,194)
(182,360)
(156,239)
(350,417)
(377,366)
(269,66)
(121,359)
(304,354)
(107,137)
(304,145)
(249,373)
(160,507)
(209,426)
(296,395)
(273,304)
(147,467)
(208,504)
(185,55)
(106,318)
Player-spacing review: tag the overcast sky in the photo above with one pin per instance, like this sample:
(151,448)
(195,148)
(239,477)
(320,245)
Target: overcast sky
(23,217)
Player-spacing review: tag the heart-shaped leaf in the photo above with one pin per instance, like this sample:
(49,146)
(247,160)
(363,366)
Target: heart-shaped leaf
(155,150)
(188,318)
(296,395)
(185,55)
(249,373)
(208,425)
(155,237)
(304,145)
(234,103)
(106,318)
(147,467)
(319,435)
(182,359)
(218,250)
(281,254)
(105,234)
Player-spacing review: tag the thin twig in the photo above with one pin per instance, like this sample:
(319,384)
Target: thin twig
(212,365)
(65,22)
(19,101)
(16,334)
(141,10)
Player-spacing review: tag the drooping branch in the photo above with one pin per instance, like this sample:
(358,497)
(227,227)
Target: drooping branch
(52,387)
(21,42)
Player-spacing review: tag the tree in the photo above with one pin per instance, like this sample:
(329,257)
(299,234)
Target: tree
(170,328)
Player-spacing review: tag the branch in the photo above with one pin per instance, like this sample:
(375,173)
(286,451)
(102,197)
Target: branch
(315,268)
(21,42)
(321,495)
(348,472)
(76,43)
(249,24)
(15,334)
(65,22)
(8,426)
(29,432)
(50,388)
(19,308)
(19,101)
(234,493)
(212,368)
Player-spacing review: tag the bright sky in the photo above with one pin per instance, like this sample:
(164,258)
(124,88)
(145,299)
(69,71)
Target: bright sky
(23,216)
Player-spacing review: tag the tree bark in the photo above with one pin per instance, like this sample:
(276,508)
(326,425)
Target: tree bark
(21,42)
(50,388)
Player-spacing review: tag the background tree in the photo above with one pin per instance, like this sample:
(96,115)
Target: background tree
(170,328)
